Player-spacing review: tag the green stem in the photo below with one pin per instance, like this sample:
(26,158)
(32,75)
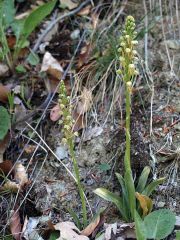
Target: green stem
(127,160)
(5,49)
(80,188)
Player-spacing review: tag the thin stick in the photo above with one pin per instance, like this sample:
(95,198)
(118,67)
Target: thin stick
(53,23)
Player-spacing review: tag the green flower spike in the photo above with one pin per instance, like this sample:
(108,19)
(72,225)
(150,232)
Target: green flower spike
(68,139)
(66,121)
(128,54)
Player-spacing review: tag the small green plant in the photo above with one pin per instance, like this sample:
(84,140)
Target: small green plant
(157,225)
(4,122)
(127,203)
(69,135)
(21,28)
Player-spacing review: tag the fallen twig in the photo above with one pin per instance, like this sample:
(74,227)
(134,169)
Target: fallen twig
(51,25)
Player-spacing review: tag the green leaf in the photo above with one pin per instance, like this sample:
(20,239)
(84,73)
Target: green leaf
(17,27)
(4,122)
(124,194)
(152,186)
(7,12)
(104,167)
(33,59)
(178,235)
(143,179)
(122,183)
(131,192)
(139,227)
(54,235)
(34,19)
(159,224)
(21,69)
(75,218)
(112,197)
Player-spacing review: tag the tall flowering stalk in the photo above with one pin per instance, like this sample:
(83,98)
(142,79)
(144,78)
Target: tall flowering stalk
(69,136)
(126,203)
(128,70)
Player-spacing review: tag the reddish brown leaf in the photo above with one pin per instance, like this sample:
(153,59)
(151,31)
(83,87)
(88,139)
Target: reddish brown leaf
(15,224)
(11,40)
(55,113)
(6,166)
(4,91)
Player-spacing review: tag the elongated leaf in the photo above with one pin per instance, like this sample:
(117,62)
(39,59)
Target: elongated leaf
(152,186)
(111,197)
(159,224)
(34,19)
(7,12)
(139,227)
(17,26)
(124,194)
(4,122)
(143,179)
(75,218)
(131,192)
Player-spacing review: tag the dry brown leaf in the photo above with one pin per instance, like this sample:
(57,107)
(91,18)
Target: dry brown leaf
(109,229)
(79,122)
(69,231)
(4,69)
(20,174)
(29,148)
(84,55)
(4,91)
(90,228)
(51,66)
(15,224)
(145,203)
(85,101)
(55,113)
(95,20)
(69,3)
(6,166)
(85,11)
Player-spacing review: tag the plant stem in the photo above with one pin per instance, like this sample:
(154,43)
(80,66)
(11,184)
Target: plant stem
(80,188)
(127,160)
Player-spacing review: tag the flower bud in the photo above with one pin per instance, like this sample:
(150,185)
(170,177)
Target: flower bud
(134,42)
(128,50)
(119,71)
(121,59)
(64,140)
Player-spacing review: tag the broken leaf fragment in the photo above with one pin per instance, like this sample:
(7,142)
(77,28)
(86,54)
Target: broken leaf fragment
(15,224)
(91,227)
(20,175)
(70,4)
(4,91)
(69,231)
(51,66)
